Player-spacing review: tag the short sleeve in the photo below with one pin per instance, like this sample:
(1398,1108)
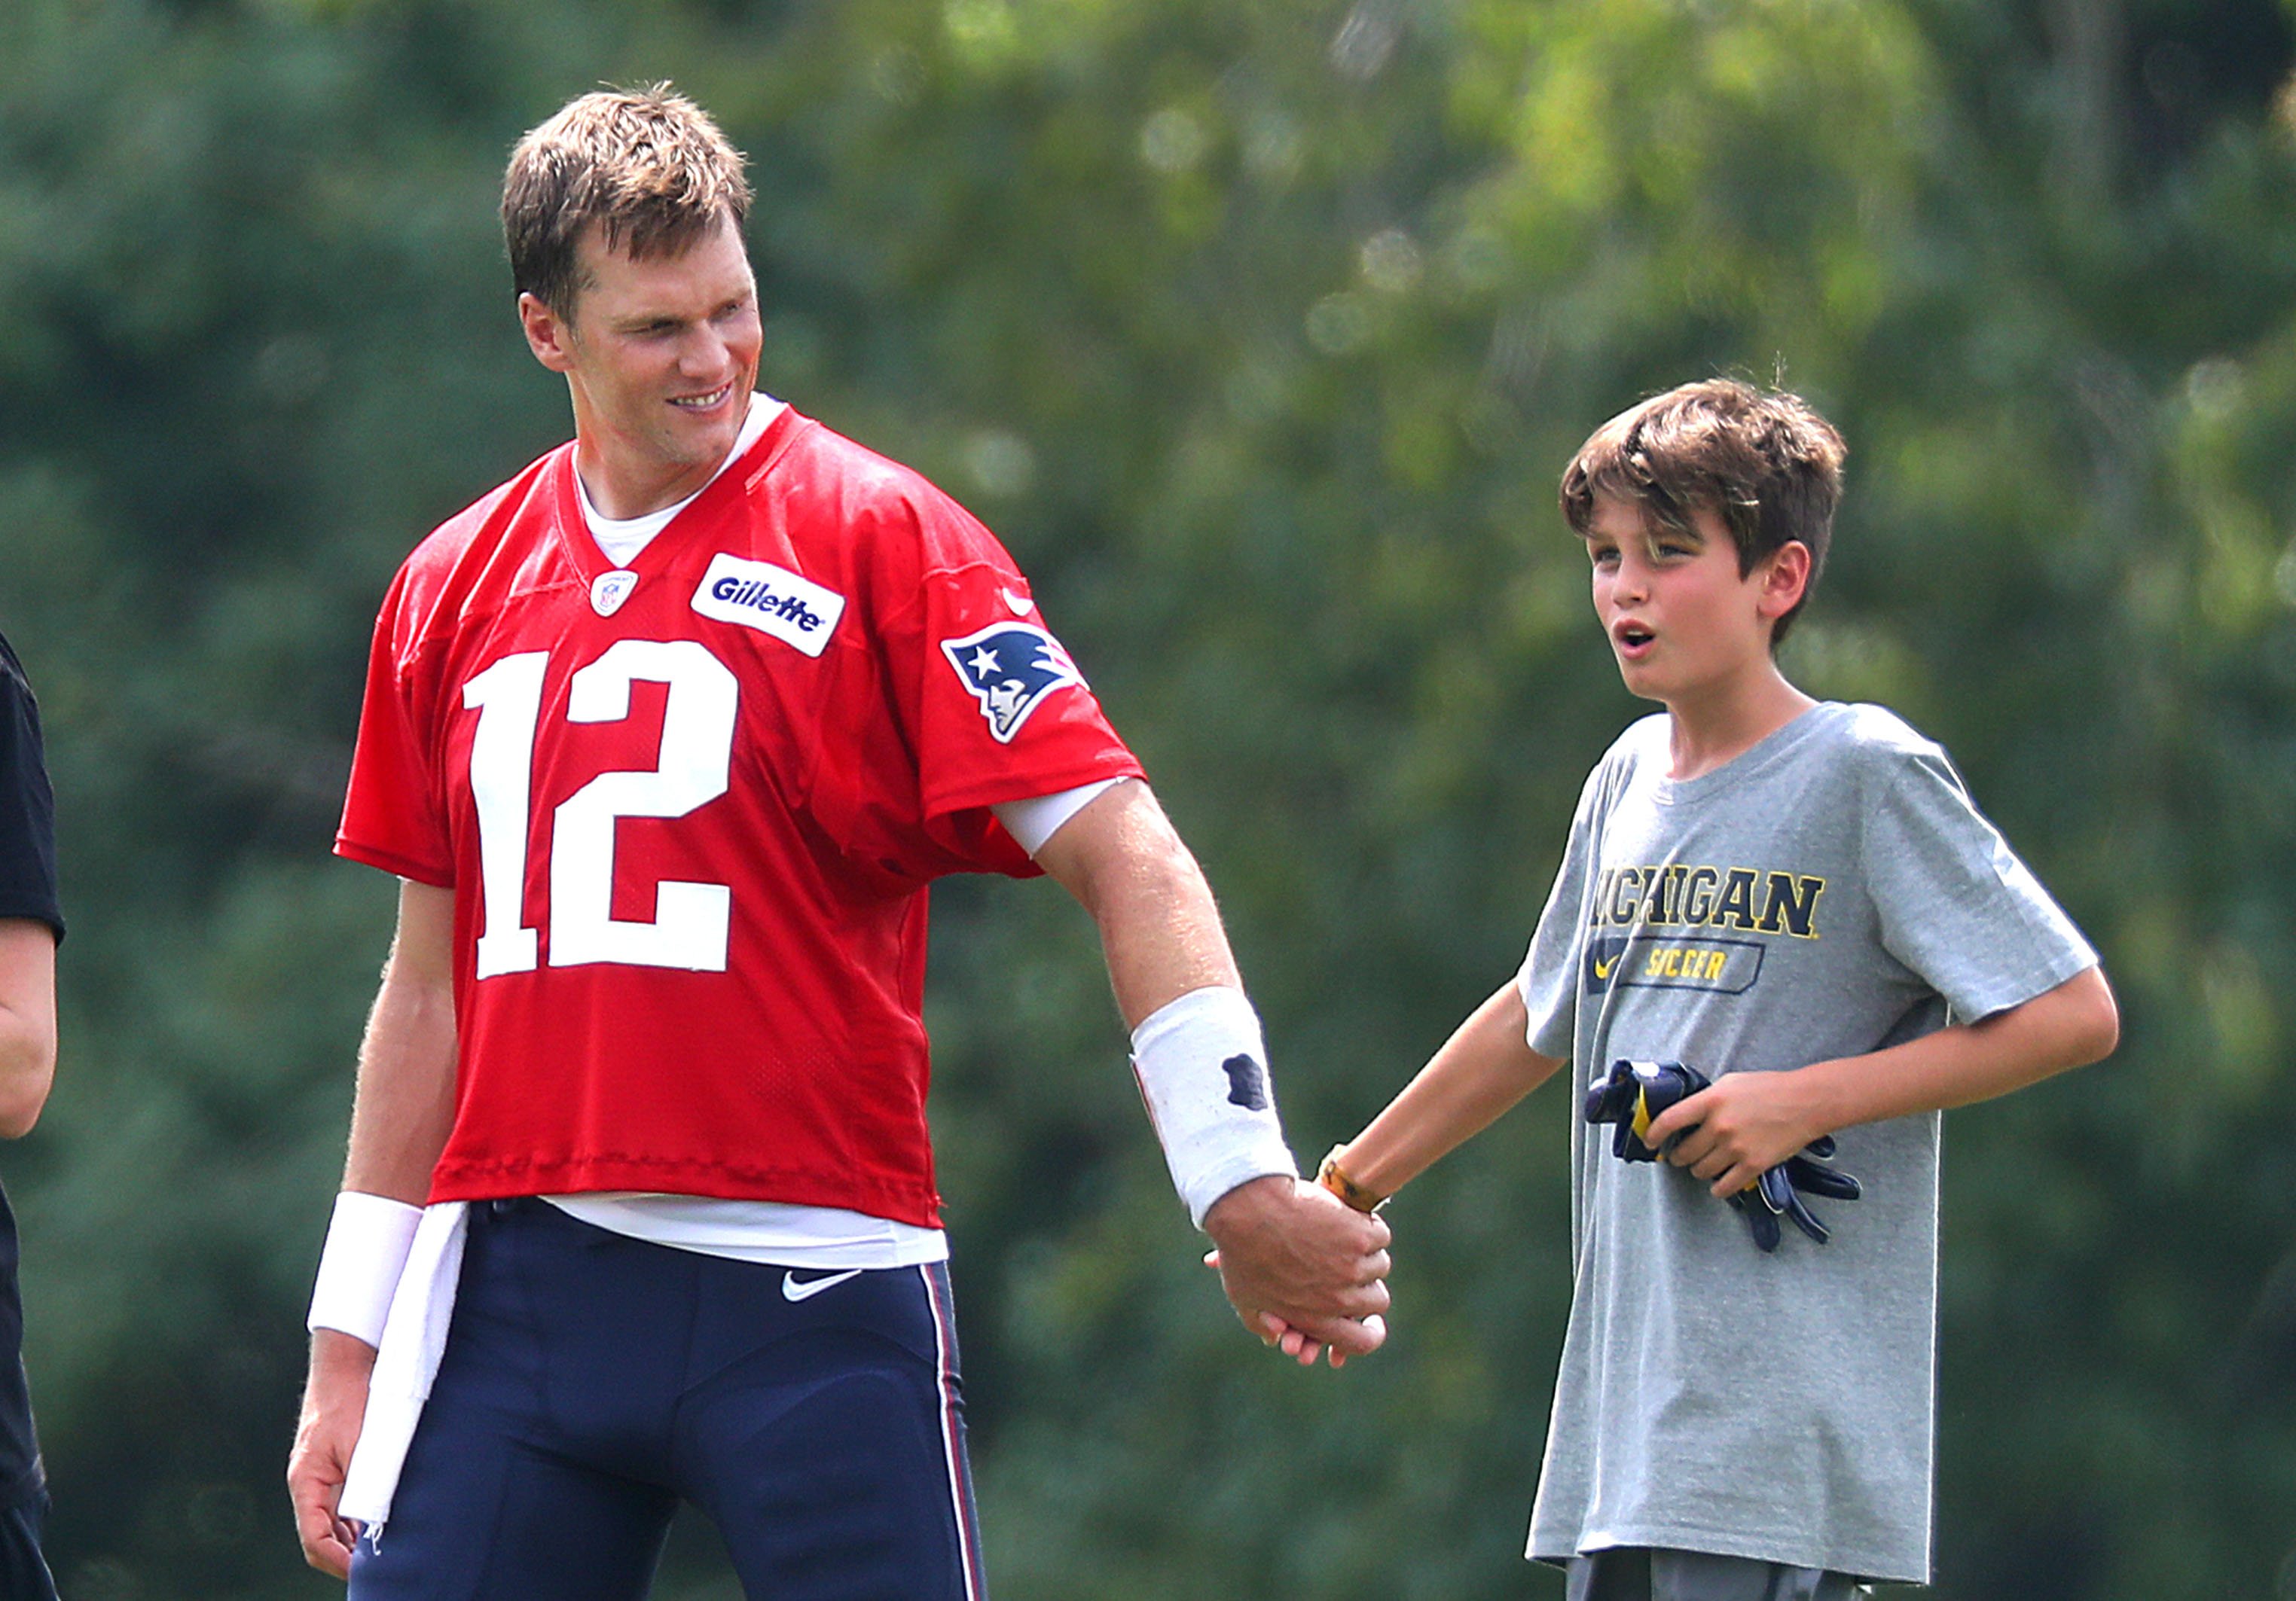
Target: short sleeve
(27,811)
(996,708)
(1955,904)
(392,818)
(1003,712)
(1548,981)
(958,696)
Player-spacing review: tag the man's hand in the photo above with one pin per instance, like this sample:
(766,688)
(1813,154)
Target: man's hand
(335,1405)
(1301,1267)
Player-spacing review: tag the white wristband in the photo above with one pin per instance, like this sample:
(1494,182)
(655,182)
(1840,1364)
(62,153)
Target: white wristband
(367,1241)
(1203,1068)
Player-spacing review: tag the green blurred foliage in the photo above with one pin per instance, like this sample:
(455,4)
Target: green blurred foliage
(1261,330)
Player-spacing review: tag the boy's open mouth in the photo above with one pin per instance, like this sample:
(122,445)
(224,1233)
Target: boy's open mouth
(1632,635)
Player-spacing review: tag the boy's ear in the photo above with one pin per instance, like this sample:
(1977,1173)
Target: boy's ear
(1784,578)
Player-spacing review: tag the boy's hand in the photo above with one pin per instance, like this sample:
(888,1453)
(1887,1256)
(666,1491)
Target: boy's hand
(1726,1133)
(1277,1334)
(1735,1129)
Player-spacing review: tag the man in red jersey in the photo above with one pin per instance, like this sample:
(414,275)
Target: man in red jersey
(666,738)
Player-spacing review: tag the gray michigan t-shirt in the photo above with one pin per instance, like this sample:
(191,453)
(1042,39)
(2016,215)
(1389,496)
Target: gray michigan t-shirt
(1829,892)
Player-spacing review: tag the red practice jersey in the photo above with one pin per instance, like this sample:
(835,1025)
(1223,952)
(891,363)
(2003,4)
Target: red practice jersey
(690,809)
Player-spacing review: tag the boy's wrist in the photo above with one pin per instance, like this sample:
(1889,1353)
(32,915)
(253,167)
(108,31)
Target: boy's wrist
(1335,1177)
(1820,1099)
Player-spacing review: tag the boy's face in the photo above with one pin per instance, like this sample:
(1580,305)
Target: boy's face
(1681,619)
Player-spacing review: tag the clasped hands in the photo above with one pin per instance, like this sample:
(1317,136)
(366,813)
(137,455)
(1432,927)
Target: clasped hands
(1305,1271)
(1746,1135)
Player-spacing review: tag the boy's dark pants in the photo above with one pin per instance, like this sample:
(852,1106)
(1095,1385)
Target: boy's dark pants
(1639,1575)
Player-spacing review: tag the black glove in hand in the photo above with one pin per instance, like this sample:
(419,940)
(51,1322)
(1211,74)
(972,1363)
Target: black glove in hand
(1774,1195)
(1634,1093)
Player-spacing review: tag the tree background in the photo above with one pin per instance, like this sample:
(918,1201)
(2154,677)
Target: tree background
(1261,330)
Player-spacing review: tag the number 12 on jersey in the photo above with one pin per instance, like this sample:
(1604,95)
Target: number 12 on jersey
(690,919)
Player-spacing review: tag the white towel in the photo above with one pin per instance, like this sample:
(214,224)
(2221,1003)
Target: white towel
(413,1337)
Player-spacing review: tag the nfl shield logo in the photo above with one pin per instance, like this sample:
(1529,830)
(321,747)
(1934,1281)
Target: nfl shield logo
(1011,669)
(611,590)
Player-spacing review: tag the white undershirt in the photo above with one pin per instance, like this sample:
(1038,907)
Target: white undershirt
(621,538)
(780,1231)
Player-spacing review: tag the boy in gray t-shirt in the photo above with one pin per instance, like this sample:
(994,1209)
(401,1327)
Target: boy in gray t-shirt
(1798,900)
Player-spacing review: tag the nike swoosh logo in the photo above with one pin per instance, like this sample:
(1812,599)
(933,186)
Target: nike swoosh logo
(806,1289)
(1602,968)
(1020,604)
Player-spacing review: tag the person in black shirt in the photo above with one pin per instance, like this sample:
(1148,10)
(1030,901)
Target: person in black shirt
(31,923)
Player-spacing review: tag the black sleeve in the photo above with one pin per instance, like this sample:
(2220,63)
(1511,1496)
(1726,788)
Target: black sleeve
(28,807)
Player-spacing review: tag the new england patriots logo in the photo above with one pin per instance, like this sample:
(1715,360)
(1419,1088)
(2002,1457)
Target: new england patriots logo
(1010,668)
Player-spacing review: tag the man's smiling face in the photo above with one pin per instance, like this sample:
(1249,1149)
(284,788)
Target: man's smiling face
(661,355)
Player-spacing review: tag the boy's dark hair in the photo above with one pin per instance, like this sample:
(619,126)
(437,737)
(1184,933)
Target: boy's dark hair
(1764,462)
(648,165)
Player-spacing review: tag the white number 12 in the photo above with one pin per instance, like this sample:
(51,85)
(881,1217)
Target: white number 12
(690,921)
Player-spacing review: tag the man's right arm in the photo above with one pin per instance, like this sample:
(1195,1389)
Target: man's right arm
(400,1116)
(1287,1250)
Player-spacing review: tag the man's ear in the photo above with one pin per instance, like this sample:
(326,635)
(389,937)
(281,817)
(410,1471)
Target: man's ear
(1784,578)
(548,335)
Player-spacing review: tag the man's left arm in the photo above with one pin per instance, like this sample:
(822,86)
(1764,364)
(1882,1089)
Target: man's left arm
(1747,1123)
(1286,1247)
(28,1022)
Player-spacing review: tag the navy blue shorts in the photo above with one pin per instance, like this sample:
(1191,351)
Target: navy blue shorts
(24,1573)
(591,1382)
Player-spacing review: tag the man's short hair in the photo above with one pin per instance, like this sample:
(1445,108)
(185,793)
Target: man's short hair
(1762,460)
(648,165)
